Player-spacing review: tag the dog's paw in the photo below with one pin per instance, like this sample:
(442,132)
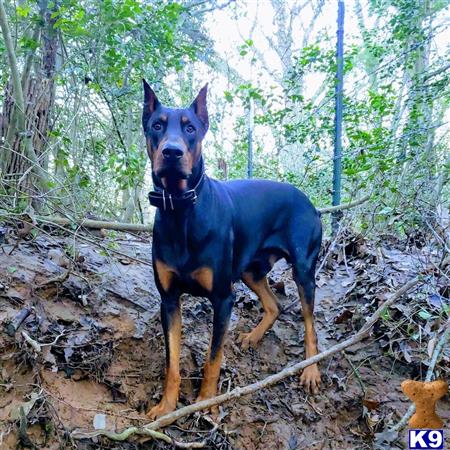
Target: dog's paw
(161,409)
(213,410)
(310,379)
(248,340)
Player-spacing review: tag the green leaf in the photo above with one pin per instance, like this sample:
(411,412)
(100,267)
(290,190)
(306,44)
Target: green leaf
(425,315)
(228,96)
(23,10)
(385,314)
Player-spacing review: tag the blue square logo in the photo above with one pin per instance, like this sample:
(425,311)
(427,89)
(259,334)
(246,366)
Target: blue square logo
(428,439)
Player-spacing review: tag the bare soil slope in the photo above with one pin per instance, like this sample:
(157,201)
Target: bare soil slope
(95,314)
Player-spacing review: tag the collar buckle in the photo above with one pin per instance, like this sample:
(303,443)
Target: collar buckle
(162,199)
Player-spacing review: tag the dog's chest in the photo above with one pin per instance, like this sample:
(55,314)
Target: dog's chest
(188,279)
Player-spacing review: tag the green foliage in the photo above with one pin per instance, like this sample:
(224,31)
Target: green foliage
(128,169)
(111,45)
(395,100)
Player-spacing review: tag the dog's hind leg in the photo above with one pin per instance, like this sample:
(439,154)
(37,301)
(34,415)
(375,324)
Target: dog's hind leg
(303,270)
(310,377)
(270,305)
(304,259)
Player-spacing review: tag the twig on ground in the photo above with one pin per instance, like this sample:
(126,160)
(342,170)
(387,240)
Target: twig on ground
(140,431)
(36,346)
(46,344)
(170,418)
(106,249)
(56,279)
(124,435)
(355,371)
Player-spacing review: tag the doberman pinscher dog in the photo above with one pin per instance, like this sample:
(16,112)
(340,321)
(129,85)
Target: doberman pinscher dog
(208,234)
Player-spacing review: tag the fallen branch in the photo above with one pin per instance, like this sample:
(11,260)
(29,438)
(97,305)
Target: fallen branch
(94,224)
(122,226)
(168,419)
(139,431)
(124,435)
(344,206)
(106,249)
(38,345)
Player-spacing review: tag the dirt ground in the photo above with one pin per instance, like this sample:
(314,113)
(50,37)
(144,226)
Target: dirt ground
(94,311)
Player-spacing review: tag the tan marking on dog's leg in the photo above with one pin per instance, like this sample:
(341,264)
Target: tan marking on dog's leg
(310,377)
(165,274)
(172,380)
(270,306)
(204,277)
(211,374)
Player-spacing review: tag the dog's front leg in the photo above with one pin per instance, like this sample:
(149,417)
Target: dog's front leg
(222,306)
(171,322)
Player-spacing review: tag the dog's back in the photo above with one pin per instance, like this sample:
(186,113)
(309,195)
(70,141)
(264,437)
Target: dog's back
(269,217)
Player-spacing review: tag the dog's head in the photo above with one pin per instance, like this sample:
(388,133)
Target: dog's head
(174,138)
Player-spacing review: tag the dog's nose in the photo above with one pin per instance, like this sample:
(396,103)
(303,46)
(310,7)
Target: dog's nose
(172,153)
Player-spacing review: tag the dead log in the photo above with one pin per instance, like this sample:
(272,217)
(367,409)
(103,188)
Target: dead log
(120,226)
(94,224)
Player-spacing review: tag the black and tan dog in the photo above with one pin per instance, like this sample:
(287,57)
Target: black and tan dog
(209,234)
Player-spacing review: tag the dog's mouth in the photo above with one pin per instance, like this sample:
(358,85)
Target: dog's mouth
(174,185)
(173,180)
(172,172)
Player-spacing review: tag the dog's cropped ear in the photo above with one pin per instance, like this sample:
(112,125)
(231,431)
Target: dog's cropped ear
(199,106)
(151,102)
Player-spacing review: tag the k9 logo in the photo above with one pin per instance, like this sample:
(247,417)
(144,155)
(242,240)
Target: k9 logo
(419,439)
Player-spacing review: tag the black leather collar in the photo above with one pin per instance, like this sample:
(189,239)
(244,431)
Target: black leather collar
(170,202)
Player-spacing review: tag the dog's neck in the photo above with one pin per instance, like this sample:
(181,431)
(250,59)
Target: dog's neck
(177,198)
(181,225)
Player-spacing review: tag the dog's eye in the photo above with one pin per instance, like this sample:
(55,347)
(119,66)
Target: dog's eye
(190,129)
(157,126)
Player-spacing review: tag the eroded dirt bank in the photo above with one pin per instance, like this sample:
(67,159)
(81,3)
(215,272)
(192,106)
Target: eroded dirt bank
(95,314)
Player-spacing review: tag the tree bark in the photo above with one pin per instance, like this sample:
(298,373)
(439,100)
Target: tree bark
(28,104)
(17,118)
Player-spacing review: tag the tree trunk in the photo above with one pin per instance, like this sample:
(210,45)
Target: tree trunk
(38,90)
